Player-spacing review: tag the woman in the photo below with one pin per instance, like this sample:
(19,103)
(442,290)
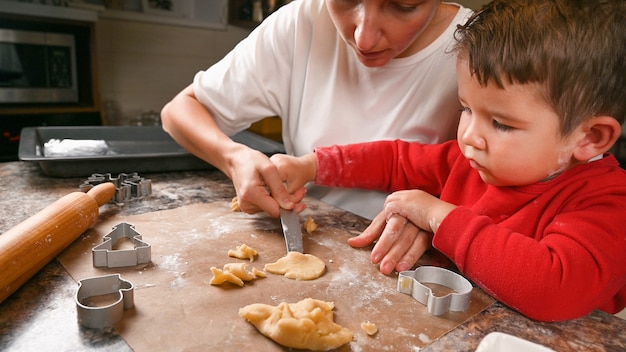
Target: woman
(335,71)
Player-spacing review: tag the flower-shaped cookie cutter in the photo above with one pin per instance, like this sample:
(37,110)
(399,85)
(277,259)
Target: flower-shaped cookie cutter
(412,282)
(103,316)
(127,186)
(105,256)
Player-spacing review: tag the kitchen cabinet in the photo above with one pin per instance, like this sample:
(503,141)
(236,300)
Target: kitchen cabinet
(242,13)
(269,127)
(188,13)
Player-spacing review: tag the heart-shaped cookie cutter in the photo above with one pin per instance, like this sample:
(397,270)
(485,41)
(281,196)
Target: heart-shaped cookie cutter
(412,282)
(98,317)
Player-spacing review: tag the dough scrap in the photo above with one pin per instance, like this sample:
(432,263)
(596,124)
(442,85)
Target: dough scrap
(307,324)
(309,225)
(234,204)
(369,327)
(243,252)
(298,266)
(235,273)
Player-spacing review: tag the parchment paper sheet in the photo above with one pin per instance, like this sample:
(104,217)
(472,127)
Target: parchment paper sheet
(177,309)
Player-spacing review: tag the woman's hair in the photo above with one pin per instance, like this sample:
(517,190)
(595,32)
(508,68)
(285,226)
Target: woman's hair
(574,50)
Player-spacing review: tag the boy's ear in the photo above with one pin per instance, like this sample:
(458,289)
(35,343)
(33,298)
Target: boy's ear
(599,135)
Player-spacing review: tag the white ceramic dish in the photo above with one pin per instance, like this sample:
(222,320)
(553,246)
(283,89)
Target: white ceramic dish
(501,342)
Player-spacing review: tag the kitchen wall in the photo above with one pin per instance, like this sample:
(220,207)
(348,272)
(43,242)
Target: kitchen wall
(141,66)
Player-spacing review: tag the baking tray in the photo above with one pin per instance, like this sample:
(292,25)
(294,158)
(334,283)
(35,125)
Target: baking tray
(121,149)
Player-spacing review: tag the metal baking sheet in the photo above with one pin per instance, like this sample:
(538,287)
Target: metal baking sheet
(118,149)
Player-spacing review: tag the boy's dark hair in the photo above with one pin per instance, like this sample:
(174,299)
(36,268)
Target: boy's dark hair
(575,50)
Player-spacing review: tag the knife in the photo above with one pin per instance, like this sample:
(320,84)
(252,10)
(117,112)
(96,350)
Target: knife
(292,230)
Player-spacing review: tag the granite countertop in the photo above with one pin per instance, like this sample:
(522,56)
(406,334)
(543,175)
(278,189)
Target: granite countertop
(41,315)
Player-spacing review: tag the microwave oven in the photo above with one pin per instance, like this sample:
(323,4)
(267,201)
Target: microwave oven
(48,75)
(37,67)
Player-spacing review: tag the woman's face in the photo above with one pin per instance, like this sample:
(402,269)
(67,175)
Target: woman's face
(380,30)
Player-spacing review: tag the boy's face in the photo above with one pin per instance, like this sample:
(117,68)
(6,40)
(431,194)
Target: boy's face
(510,136)
(379,30)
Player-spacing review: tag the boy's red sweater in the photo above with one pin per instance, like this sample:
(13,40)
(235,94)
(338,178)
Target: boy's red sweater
(553,250)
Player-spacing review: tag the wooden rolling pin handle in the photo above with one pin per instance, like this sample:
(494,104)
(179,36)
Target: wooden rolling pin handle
(30,245)
(102,193)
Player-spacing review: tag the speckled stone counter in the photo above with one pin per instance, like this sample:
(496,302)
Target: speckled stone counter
(41,315)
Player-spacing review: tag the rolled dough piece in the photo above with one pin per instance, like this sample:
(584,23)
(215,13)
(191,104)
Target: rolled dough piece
(243,252)
(235,273)
(369,327)
(234,204)
(307,324)
(298,266)
(309,225)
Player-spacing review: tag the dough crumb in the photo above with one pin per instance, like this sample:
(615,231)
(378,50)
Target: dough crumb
(369,328)
(234,204)
(235,273)
(309,225)
(298,266)
(243,252)
(307,324)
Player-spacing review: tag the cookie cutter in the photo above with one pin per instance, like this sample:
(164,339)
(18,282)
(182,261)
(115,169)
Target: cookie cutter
(411,282)
(98,317)
(105,256)
(127,186)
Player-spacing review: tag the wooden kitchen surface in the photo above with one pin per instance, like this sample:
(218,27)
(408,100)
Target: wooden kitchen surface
(42,314)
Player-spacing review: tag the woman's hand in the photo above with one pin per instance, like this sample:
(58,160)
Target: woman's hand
(399,243)
(256,180)
(259,185)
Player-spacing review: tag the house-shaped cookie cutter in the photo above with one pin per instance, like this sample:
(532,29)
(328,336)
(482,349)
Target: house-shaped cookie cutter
(105,256)
(412,282)
(98,317)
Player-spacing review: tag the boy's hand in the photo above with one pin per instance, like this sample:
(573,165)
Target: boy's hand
(421,208)
(399,243)
(295,172)
(259,186)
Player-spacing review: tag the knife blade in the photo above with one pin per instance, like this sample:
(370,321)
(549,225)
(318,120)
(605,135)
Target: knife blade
(292,230)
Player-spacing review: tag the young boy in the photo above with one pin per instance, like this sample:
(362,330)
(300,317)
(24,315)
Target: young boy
(527,202)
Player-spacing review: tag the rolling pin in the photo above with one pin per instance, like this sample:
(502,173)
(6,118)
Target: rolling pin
(29,246)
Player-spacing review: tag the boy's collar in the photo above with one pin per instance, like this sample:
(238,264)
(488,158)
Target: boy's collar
(598,157)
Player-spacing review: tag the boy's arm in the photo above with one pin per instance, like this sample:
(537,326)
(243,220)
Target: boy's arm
(386,166)
(577,266)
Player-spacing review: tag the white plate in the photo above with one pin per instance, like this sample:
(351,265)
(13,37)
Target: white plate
(501,342)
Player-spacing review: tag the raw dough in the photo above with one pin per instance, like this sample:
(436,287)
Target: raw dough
(307,324)
(234,204)
(296,265)
(309,225)
(243,252)
(235,273)
(369,327)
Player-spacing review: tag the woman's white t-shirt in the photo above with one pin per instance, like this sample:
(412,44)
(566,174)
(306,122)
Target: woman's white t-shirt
(296,65)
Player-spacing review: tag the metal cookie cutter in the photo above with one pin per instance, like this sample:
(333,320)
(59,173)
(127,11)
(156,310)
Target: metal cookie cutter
(128,186)
(99,317)
(411,283)
(105,256)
